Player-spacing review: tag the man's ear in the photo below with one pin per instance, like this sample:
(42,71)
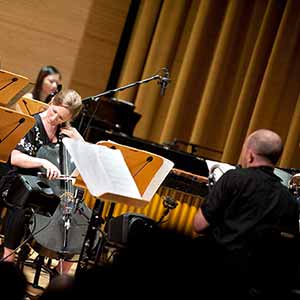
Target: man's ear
(251,157)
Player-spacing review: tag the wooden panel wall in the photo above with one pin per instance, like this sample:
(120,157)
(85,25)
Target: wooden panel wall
(79,37)
(99,45)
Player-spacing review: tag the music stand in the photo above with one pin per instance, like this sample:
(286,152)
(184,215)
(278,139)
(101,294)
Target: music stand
(12,87)
(145,169)
(14,126)
(142,165)
(29,106)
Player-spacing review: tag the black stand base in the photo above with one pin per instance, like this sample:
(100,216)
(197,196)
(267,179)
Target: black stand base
(87,248)
(91,253)
(38,264)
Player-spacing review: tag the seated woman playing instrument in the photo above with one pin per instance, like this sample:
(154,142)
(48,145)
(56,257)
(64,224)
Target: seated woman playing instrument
(64,107)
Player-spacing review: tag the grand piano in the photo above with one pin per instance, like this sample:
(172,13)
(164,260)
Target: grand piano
(115,120)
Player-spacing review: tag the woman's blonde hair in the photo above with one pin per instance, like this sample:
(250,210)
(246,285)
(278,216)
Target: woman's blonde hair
(69,99)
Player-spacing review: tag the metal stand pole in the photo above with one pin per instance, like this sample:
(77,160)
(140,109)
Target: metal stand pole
(163,81)
(95,221)
(102,240)
(39,264)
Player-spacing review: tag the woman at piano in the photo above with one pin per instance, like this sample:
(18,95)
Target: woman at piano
(65,106)
(48,83)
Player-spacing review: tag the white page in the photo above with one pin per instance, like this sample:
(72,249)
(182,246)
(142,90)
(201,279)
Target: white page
(103,169)
(158,178)
(218,168)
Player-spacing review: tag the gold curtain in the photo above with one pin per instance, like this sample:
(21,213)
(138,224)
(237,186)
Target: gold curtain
(234,66)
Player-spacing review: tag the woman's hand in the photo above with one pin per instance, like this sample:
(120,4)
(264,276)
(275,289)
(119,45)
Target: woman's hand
(71,132)
(52,171)
(26,161)
(23,160)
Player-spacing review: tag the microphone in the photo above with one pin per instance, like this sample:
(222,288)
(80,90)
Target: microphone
(11,82)
(164,81)
(149,159)
(215,167)
(58,89)
(212,179)
(50,96)
(26,106)
(169,202)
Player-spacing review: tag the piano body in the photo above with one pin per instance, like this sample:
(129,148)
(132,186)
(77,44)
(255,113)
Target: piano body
(186,183)
(108,113)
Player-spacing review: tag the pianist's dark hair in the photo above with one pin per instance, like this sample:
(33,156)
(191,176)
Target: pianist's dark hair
(45,71)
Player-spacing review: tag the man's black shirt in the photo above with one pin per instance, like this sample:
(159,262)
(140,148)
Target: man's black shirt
(244,200)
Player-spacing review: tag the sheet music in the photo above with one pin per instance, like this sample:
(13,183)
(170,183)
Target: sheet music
(218,167)
(103,170)
(158,178)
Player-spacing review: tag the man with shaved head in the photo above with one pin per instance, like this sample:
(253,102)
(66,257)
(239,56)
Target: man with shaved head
(261,148)
(248,205)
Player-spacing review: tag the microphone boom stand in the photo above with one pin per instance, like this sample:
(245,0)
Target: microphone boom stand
(109,92)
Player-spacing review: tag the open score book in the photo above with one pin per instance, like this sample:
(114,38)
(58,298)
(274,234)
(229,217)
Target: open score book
(118,173)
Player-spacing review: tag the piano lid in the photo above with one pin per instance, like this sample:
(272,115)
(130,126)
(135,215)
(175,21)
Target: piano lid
(182,160)
(110,114)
